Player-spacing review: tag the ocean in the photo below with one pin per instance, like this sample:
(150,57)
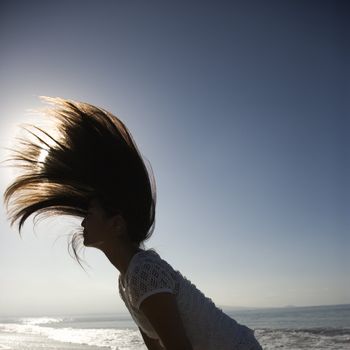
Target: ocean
(294,328)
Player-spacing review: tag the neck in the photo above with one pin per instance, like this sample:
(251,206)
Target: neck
(119,252)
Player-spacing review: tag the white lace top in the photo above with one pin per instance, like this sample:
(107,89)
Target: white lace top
(207,326)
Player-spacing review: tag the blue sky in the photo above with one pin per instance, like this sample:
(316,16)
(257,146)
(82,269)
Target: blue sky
(240,106)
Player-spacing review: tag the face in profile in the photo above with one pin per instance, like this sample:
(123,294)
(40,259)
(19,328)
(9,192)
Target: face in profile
(98,228)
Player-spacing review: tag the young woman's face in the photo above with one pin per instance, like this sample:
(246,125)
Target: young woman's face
(97,227)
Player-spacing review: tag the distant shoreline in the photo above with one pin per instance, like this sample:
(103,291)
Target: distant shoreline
(225,308)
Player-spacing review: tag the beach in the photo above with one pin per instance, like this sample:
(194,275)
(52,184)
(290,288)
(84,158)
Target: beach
(295,328)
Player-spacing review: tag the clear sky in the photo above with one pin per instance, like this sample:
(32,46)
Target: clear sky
(240,106)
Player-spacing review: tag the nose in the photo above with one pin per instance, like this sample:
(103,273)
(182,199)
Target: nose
(83,223)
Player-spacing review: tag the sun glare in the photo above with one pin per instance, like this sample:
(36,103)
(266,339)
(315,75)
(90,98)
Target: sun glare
(43,155)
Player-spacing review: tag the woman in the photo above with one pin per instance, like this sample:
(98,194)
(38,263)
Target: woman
(93,169)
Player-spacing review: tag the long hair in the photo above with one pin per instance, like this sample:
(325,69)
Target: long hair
(89,154)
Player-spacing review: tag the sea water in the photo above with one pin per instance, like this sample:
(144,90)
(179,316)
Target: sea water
(317,327)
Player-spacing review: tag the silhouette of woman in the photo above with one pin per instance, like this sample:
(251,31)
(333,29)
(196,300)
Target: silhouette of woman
(92,169)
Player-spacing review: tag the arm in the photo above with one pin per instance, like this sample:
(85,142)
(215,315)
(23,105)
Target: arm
(152,344)
(162,312)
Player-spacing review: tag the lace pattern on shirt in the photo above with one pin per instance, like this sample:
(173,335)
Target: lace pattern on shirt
(208,328)
(149,275)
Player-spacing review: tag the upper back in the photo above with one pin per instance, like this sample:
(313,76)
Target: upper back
(204,322)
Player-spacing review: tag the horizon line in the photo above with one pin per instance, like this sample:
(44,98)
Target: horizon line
(223,307)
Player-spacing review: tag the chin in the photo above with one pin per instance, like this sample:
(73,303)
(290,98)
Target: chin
(85,242)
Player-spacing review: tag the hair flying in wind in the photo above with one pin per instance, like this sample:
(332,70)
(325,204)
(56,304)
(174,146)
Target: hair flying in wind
(90,153)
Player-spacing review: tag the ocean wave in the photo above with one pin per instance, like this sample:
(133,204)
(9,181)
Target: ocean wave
(4,347)
(130,339)
(304,338)
(329,331)
(115,339)
(39,320)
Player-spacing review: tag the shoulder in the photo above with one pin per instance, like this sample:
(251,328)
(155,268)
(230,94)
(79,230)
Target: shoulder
(146,256)
(147,262)
(149,274)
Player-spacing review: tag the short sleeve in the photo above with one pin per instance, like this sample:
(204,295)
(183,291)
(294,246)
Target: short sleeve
(149,276)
